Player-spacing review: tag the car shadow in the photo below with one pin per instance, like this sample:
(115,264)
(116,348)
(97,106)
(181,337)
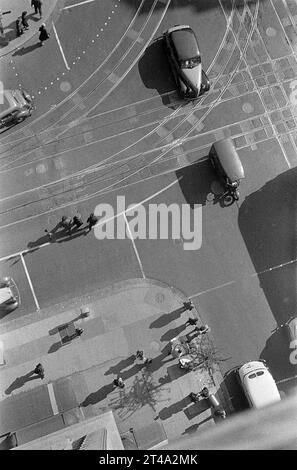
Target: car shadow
(196,182)
(155,73)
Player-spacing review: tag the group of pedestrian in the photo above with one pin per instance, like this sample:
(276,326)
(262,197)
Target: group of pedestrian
(68,223)
(143,360)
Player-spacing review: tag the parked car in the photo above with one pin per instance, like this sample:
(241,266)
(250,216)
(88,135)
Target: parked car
(15,106)
(258,384)
(9,295)
(184,56)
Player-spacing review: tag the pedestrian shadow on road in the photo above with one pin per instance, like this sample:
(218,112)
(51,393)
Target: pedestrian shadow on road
(172,333)
(58,236)
(123,364)
(26,50)
(176,407)
(100,395)
(20,381)
(166,318)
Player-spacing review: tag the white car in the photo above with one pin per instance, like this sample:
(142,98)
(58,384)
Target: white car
(9,295)
(258,384)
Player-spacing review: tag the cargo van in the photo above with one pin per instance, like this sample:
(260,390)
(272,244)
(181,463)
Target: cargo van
(15,106)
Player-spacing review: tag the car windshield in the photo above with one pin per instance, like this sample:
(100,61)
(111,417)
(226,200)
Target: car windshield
(190,63)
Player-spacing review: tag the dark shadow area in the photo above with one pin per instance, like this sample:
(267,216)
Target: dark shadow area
(10,29)
(172,333)
(276,353)
(96,397)
(169,411)
(155,72)
(115,370)
(20,381)
(60,327)
(195,182)
(25,50)
(235,392)
(167,318)
(59,236)
(55,347)
(267,221)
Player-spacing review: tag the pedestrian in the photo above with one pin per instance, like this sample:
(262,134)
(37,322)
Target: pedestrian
(188,305)
(37,7)
(201,330)
(191,321)
(91,220)
(118,382)
(79,331)
(44,35)
(39,370)
(24,20)
(19,27)
(66,223)
(144,360)
(49,234)
(77,220)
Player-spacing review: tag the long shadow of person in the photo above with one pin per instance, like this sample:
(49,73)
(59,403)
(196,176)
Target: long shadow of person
(95,397)
(20,381)
(172,333)
(26,50)
(115,370)
(59,234)
(167,318)
(168,411)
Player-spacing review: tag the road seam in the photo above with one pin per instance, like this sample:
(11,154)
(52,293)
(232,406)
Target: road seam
(29,281)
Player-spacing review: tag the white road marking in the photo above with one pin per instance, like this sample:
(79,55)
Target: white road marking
(286,380)
(53,398)
(60,47)
(134,246)
(212,289)
(29,281)
(78,4)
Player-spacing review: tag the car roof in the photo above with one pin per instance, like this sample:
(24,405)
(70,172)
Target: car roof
(185,43)
(258,384)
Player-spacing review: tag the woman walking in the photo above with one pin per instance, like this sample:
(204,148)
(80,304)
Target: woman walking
(44,35)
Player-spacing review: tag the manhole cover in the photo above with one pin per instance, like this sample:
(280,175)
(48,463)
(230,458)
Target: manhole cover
(160,298)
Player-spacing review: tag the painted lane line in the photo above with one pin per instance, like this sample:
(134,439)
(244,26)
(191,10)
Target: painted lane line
(78,4)
(52,398)
(212,289)
(60,47)
(134,246)
(29,281)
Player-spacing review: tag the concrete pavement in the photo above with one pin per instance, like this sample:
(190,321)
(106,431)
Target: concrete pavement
(130,315)
(11,42)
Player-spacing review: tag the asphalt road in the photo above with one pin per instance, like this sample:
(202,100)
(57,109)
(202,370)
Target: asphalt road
(108,122)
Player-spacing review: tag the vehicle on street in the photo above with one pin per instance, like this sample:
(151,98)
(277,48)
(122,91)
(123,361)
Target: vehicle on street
(227,165)
(184,56)
(15,106)
(9,295)
(258,384)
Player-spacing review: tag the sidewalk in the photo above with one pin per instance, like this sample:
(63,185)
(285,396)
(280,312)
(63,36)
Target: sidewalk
(135,314)
(50,8)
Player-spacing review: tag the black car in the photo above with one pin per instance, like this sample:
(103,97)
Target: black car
(184,56)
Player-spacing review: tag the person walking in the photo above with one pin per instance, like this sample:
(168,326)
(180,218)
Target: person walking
(24,20)
(37,4)
(118,382)
(92,221)
(141,357)
(49,234)
(201,330)
(19,27)
(66,223)
(191,322)
(79,331)
(188,305)
(44,35)
(39,370)
(77,220)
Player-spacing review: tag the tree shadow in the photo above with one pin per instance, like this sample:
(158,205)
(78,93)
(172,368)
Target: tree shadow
(20,381)
(98,396)
(167,318)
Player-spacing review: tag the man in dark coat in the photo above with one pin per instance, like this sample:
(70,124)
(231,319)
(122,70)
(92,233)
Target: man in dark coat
(37,6)
(44,35)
